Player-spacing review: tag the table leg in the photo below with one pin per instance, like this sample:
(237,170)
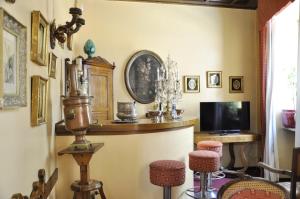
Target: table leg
(244,159)
(232,156)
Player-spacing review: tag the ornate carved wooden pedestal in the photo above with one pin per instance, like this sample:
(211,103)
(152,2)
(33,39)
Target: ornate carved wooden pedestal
(85,188)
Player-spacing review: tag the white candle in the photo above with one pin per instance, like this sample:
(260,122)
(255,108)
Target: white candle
(76,4)
(79,64)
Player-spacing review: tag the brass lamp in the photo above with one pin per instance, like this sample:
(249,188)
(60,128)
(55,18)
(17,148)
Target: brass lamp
(64,32)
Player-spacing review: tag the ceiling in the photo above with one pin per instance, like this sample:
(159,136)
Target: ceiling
(242,4)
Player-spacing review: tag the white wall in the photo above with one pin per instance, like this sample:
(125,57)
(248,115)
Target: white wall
(24,149)
(198,38)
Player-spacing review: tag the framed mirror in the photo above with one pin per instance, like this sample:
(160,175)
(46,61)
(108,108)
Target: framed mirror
(141,74)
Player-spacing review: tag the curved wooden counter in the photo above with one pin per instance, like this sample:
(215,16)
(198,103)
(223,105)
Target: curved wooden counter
(142,126)
(123,162)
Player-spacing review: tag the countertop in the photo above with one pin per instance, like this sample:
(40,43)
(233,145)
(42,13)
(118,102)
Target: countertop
(109,127)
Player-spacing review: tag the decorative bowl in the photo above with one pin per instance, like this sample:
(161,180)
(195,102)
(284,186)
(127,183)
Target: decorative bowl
(124,116)
(127,111)
(153,114)
(179,112)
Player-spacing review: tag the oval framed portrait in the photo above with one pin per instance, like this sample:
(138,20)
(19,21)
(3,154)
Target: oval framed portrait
(141,74)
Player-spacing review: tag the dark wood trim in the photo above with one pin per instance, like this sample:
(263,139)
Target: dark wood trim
(142,127)
(247,4)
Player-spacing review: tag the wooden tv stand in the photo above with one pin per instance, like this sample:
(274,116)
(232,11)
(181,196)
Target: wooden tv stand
(231,139)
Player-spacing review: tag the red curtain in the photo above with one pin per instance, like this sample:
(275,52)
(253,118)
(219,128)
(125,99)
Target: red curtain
(266,10)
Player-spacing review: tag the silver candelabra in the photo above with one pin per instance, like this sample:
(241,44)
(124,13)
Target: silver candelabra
(168,88)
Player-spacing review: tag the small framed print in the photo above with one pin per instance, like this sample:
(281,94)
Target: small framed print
(39,32)
(236,84)
(39,93)
(214,79)
(52,65)
(191,84)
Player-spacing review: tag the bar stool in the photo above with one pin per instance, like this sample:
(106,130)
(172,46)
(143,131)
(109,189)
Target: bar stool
(205,162)
(216,146)
(211,146)
(167,174)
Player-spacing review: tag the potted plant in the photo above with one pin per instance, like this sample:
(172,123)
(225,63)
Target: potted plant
(288,115)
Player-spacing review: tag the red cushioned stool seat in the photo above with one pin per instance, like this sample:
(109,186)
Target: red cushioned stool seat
(204,161)
(167,173)
(210,146)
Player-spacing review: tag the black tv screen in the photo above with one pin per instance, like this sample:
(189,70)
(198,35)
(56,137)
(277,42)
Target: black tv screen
(224,117)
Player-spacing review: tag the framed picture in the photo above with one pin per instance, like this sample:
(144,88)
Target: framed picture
(52,65)
(191,84)
(39,93)
(39,32)
(214,79)
(13,53)
(141,74)
(236,84)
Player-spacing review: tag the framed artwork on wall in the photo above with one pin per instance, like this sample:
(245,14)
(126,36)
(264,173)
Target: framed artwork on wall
(13,52)
(214,79)
(191,84)
(39,94)
(236,84)
(52,65)
(39,31)
(141,74)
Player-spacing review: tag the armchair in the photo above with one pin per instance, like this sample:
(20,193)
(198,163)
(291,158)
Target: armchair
(292,187)
(254,188)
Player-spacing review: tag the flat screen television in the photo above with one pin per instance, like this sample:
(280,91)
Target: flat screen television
(224,117)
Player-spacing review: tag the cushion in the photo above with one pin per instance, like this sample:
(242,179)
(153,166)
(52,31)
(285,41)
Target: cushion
(210,146)
(167,173)
(204,161)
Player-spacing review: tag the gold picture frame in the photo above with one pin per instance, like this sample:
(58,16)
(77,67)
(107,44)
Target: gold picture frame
(39,35)
(214,79)
(236,84)
(191,84)
(52,65)
(39,99)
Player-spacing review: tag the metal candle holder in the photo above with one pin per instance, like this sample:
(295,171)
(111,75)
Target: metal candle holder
(64,32)
(168,88)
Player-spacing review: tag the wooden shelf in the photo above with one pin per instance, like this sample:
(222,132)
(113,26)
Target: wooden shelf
(229,138)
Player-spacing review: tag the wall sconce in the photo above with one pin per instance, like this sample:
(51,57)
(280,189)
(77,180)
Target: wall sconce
(64,32)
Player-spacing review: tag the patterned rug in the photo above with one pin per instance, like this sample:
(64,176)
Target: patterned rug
(217,184)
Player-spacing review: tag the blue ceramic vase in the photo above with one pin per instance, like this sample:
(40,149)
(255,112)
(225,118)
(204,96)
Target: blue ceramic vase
(89,48)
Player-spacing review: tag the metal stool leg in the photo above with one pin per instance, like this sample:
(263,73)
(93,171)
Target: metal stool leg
(203,182)
(167,192)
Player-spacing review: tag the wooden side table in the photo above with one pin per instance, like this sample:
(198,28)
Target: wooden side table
(85,188)
(231,139)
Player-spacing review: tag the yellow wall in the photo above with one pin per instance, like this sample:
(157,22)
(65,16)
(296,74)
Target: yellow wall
(23,149)
(198,38)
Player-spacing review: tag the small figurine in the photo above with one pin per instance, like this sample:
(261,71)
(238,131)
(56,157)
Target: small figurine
(89,48)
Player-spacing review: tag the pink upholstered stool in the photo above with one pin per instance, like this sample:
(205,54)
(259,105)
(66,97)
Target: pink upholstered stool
(211,146)
(205,162)
(216,146)
(167,173)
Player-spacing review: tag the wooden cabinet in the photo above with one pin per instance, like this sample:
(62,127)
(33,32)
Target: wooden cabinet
(100,75)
